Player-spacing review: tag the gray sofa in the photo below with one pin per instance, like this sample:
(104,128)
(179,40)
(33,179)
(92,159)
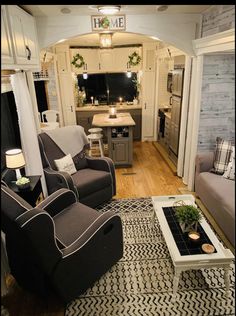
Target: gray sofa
(217,194)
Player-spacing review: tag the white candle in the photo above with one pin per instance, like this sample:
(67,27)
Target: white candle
(112,112)
(120,99)
(92,99)
(194,236)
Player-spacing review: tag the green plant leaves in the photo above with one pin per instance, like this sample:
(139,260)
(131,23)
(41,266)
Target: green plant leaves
(188,214)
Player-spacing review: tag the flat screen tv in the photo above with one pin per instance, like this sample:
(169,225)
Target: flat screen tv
(107,88)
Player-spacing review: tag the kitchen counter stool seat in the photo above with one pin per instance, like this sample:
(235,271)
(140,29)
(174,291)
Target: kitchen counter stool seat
(96,130)
(96,138)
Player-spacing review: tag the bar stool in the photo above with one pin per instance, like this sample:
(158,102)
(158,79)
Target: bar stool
(96,136)
(95,130)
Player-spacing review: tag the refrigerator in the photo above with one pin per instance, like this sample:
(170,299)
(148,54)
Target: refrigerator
(177,90)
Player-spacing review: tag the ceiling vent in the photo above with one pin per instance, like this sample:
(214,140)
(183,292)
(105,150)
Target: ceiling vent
(162,8)
(65,10)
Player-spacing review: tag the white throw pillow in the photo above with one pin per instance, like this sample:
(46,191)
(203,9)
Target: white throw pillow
(230,171)
(65,164)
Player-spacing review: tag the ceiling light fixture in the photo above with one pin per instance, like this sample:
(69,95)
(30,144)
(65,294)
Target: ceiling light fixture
(105,40)
(108,9)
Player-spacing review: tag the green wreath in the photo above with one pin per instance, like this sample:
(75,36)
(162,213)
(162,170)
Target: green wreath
(105,23)
(75,59)
(134,59)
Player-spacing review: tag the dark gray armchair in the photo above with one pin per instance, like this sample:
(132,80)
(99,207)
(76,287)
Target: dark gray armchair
(61,245)
(94,182)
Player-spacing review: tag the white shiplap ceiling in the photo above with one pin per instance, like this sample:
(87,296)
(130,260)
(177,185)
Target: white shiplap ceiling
(55,10)
(118,38)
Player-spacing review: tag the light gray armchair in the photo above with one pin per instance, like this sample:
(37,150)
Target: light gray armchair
(94,182)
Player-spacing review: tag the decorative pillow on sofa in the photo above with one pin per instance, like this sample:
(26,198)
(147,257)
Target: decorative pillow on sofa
(65,164)
(230,172)
(222,155)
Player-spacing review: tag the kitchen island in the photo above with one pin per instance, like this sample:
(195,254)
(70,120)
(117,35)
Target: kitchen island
(84,115)
(119,133)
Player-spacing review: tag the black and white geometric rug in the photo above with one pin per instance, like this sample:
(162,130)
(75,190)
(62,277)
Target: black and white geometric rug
(140,284)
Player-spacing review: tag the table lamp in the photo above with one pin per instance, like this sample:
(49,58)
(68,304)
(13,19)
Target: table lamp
(15,160)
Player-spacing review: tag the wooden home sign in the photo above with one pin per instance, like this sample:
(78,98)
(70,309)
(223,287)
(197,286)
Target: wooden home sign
(110,23)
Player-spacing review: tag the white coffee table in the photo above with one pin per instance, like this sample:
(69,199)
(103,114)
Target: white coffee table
(223,258)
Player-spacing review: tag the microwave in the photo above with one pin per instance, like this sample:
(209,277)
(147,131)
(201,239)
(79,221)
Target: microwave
(169,82)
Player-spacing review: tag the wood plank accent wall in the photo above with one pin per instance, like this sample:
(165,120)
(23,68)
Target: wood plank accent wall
(217,117)
(218,18)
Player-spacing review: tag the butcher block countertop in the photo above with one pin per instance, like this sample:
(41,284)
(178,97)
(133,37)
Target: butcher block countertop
(106,107)
(103,120)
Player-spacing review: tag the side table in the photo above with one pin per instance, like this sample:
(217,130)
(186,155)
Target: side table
(31,194)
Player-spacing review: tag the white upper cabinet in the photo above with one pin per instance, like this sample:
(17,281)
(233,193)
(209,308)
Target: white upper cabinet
(6,43)
(91,59)
(120,56)
(149,57)
(24,39)
(105,60)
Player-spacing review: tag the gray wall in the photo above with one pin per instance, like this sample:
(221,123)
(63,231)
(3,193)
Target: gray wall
(217,19)
(217,117)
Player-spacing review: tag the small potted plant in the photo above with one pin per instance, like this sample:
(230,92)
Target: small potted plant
(23,183)
(188,217)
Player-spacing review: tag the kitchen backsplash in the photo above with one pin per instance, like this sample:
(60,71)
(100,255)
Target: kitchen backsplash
(217,19)
(217,116)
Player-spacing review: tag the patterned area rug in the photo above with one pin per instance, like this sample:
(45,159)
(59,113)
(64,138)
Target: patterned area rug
(140,284)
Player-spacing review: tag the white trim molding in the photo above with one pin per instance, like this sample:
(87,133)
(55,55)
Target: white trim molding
(184,116)
(196,116)
(220,42)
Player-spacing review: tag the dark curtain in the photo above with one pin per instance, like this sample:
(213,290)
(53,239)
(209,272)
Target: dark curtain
(41,95)
(10,133)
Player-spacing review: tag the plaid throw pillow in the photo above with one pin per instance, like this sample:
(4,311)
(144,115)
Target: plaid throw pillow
(222,155)
(230,172)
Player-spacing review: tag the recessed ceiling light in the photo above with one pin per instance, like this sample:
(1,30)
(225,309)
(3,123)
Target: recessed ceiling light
(65,10)
(161,8)
(105,9)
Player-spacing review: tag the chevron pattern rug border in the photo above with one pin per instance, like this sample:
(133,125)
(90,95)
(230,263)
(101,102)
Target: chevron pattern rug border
(140,284)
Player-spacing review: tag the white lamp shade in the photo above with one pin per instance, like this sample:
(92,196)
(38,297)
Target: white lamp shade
(15,159)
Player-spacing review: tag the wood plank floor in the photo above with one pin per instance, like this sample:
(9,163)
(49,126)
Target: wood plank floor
(149,175)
